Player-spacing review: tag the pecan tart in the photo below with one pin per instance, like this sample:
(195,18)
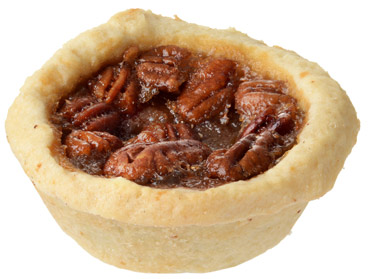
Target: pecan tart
(164,146)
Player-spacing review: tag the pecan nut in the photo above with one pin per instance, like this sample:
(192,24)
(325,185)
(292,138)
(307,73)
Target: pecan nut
(163,132)
(116,85)
(160,76)
(250,156)
(264,102)
(86,114)
(209,91)
(283,123)
(253,104)
(145,162)
(89,150)
(161,69)
(72,106)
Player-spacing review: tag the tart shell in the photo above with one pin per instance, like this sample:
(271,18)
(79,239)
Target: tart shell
(132,226)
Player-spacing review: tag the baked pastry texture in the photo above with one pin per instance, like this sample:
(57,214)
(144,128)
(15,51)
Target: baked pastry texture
(180,230)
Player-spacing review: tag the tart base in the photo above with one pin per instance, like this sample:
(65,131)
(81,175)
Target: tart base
(172,249)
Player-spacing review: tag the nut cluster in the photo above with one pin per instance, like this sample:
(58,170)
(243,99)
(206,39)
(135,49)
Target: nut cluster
(137,119)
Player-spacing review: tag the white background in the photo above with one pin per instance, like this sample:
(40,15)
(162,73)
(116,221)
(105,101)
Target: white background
(330,240)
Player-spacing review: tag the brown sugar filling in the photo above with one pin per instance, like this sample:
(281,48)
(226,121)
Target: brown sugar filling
(166,117)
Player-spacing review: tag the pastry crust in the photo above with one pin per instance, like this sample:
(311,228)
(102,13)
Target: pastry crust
(306,172)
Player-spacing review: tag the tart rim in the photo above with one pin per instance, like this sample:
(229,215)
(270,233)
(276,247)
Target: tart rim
(306,172)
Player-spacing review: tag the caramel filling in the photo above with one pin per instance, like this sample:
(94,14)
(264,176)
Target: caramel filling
(166,117)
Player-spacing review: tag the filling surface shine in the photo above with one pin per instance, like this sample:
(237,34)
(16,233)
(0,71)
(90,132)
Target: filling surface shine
(166,117)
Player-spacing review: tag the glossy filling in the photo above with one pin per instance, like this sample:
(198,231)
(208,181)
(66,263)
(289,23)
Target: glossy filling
(166,117)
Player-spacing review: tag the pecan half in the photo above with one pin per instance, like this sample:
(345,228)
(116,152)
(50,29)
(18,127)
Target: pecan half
(161,69)
(208,93)
(262,102)
(250,156)
(89,150)
(145,162)
(115,85)
(164,132)
(283,123)
(253,104)
(75,105)
(86,114)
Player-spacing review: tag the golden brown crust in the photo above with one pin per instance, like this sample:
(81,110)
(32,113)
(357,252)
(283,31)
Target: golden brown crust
(306,172)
